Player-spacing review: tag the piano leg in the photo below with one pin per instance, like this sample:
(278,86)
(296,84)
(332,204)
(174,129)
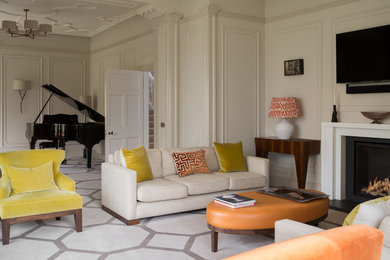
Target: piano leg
(32,144)
(61,143)
(89,156)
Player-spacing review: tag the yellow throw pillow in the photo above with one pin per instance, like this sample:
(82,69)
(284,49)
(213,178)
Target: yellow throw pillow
(34,179)
(137,160)
(230,157)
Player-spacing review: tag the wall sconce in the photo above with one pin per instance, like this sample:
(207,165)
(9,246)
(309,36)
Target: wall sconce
(22,86)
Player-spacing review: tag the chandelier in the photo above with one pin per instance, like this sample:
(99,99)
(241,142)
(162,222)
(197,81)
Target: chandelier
(31,28)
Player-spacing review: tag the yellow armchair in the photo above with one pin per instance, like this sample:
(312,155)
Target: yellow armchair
(40,204)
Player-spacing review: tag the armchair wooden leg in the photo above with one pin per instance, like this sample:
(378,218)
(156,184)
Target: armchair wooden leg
(78,220)
(6,228)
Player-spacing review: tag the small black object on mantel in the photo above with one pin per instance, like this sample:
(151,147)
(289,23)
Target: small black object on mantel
(334,114)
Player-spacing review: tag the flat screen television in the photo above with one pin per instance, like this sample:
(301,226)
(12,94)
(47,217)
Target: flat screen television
(364,55)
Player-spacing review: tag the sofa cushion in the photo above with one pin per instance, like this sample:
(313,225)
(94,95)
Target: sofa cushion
(168,165)
(230,157)
(243,180)
(32,179)
(155,161)
(118,159)
(154,156)
(211,158)
(357,216)
(201,183)
(137,160)
(385,227)
(190,163)
(160,189)
(39,202)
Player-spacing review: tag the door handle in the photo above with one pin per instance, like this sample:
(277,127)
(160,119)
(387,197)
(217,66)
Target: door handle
(111,133)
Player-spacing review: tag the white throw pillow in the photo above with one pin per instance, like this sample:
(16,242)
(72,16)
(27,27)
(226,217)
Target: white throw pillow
(385,227)
(372,214)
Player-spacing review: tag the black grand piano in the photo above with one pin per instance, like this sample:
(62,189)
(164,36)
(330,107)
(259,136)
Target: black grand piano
(61,128)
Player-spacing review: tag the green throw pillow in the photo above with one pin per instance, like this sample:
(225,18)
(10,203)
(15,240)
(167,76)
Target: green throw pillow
(230,157)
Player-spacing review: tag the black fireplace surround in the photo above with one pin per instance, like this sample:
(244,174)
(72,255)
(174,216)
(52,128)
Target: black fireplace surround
(366,159)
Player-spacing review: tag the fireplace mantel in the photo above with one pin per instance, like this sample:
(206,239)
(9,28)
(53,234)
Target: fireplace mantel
(333,152)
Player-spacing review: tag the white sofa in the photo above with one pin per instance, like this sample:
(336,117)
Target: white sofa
(167,193)
(288,229)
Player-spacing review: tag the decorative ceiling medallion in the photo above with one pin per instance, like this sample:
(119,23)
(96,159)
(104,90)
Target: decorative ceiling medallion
(151,11)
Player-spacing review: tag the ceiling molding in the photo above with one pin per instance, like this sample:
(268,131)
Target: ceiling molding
(241,17)
(124,41)
(308,10)
(112,24)
(132,20)
(121,3)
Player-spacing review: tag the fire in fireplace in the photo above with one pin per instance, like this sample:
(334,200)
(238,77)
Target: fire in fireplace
(367,168)
(378,188)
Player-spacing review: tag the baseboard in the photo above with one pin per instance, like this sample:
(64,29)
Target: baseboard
(124,220)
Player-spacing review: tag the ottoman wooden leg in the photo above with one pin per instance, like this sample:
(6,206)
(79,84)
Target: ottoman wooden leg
(214,241)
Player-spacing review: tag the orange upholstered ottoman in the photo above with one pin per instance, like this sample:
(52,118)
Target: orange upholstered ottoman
(261,217)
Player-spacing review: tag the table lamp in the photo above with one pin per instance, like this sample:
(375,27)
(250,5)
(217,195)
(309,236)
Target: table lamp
(284,107)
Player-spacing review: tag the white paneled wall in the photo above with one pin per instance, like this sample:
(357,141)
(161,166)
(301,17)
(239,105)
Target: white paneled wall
(310,34)
(63,62)
(120,57)
(61,66)
(193,91)
(219,98)
(14,122)
(240,46)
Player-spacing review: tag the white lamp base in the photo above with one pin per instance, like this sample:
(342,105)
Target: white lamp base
(284,129)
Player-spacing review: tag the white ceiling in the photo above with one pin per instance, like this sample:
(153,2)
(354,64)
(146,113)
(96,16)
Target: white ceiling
(72,17)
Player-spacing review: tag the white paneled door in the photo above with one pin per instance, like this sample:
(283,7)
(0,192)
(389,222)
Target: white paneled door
(127,121)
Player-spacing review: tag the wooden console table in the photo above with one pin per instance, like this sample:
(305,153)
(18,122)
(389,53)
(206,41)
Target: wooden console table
(300,148)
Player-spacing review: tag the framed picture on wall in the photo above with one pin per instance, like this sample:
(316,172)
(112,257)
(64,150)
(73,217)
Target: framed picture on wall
(293,67)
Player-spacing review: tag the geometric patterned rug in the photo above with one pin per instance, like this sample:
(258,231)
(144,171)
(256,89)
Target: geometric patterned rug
(178,236)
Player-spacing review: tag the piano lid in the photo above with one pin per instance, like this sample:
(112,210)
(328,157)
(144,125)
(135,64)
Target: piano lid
(86,110)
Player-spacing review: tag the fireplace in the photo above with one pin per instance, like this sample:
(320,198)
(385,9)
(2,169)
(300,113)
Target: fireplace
(367,168)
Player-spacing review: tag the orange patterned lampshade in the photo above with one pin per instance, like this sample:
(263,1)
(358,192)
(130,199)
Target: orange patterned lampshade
(284,107)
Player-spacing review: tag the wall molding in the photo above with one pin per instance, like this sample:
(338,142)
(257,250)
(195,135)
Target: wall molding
(317,26)
(239,16)
(39,59)
(53,51)
(52,61)
(308,10)
(226,32)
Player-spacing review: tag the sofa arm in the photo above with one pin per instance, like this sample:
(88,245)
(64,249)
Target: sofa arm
(65,182)
(5,187)
(288,229)
(358,242)
(119,190)
(258,164)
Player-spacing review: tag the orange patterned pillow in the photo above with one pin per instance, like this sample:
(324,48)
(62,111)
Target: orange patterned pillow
(191,162)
